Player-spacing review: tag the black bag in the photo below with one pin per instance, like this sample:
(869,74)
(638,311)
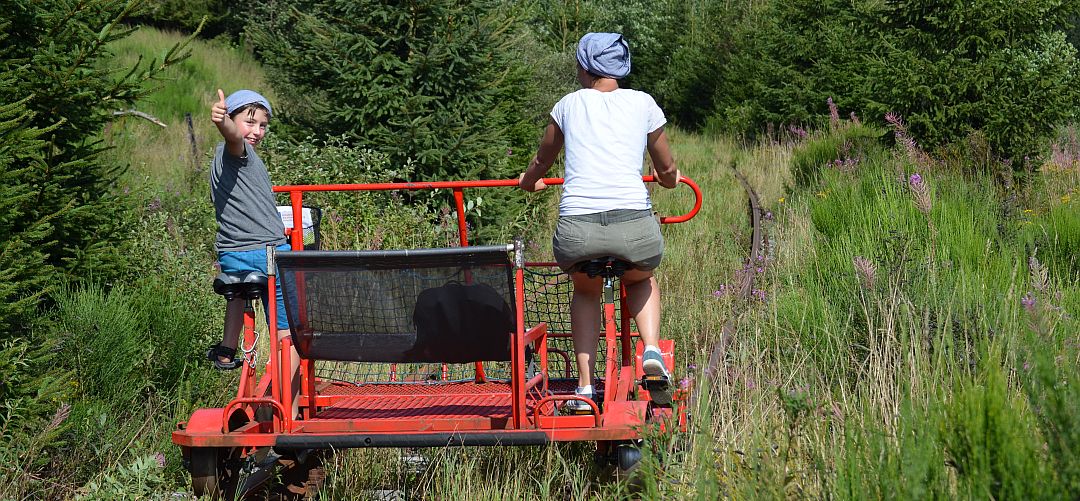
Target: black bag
(457,323)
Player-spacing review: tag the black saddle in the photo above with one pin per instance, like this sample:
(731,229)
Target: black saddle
(248,285)
(607,267)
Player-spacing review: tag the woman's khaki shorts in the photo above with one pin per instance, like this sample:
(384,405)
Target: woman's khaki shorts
(630,235)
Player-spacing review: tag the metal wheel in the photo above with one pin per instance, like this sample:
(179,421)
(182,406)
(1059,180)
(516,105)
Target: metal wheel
(211,475)
(627,458)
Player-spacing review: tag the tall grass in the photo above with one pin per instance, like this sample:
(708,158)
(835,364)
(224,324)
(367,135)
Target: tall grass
(885,361)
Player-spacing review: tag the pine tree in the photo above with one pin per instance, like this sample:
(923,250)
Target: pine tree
(420,81)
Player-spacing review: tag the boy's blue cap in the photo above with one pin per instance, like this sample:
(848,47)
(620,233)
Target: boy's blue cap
(604,54)
(244,97)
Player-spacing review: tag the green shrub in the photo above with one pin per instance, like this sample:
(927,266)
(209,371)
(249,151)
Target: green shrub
(989,444)
(358,220)
(60,218)
(433,85)
(143,478)
(949,69)
(842,148)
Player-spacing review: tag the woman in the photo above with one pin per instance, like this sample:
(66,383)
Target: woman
(605,208)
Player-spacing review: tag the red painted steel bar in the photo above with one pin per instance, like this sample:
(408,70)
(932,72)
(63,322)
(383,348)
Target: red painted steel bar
(517,357)
(247,374)
(296,241)
(489,183)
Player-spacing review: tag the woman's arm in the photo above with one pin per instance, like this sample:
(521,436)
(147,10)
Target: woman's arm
(667,174)
(552,142)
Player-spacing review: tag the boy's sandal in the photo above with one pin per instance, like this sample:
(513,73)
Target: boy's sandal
(217,352)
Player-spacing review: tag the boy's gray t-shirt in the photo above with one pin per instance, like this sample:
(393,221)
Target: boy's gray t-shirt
(244,203)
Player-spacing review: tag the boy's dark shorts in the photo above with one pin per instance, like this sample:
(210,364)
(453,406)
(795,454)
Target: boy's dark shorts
(631,235)
(255,260)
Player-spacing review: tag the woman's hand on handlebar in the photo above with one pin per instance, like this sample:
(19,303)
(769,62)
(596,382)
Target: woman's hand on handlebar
(536,186)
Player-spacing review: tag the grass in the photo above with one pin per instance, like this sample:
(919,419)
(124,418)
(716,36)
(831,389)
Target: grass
(950,371)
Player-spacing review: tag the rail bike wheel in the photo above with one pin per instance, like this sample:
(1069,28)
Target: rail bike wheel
(627,458)
(300,478)
(214,472)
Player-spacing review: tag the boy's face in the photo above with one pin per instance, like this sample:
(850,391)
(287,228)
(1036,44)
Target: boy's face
(252,124)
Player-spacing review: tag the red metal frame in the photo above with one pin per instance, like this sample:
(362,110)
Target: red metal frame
(480,412)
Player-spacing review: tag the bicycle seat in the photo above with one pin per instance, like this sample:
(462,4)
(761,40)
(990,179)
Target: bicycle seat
(607,267)
(247,285)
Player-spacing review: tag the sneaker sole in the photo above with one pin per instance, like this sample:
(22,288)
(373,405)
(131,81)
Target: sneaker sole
(654,368)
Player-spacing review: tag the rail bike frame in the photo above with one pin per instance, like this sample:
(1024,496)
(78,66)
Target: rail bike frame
(525,411)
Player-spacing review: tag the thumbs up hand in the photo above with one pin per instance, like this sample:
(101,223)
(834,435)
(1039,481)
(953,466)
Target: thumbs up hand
(218,110)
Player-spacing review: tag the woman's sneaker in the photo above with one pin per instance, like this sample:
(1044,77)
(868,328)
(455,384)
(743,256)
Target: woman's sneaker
(580,406)
(657,381)
(652,363)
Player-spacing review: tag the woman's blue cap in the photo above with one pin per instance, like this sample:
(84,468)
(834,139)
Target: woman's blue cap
(244,97)
(604,54)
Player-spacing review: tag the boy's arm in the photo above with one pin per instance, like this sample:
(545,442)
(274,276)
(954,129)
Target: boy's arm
(532,178)
(234,142)
(667,174)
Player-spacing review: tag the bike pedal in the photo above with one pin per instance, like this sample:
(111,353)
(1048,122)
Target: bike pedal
(655,382)
(659,388)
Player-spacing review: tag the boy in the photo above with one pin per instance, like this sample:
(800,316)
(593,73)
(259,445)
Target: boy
(245,209)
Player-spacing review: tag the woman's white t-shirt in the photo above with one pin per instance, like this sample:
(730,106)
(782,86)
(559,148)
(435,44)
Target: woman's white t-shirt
(605,137)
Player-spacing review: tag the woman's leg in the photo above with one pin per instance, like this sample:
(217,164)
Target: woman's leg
(585,324)
(643,302)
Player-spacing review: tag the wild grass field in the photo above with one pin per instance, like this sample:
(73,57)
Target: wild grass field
(913,332)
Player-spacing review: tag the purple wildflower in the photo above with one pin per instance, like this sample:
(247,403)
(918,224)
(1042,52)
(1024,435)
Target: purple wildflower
(921,193)
(1028,302)
(798,132)
(904,139)
(834,114)
(160,458)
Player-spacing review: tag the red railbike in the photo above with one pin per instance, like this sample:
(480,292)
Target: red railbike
(460,346)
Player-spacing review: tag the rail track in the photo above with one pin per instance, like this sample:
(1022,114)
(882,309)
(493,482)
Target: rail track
(744,281)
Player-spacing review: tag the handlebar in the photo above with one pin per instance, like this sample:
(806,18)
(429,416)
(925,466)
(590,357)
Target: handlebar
(296,195)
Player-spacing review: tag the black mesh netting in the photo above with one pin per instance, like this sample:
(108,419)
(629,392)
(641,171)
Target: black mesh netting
(420,315)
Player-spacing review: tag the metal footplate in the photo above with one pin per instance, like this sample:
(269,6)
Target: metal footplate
(659,388)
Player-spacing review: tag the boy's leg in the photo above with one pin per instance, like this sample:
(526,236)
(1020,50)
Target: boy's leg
(234,323)
(224,353)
